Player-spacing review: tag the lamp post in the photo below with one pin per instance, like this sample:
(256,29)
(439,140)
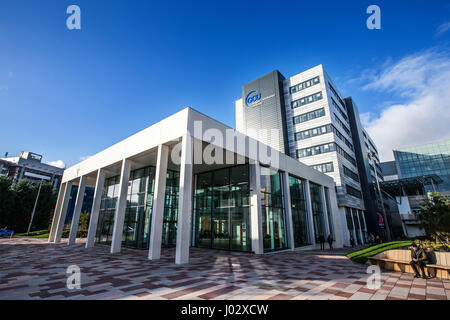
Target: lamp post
(386,224)
(34,208)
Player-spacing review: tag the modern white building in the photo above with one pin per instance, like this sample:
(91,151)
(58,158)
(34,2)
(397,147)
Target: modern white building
(318,127)
(189,180)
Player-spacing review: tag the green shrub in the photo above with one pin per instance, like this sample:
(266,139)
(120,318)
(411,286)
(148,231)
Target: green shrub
(362,255)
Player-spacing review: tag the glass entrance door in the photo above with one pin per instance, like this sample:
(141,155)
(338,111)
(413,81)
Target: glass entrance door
(221,209)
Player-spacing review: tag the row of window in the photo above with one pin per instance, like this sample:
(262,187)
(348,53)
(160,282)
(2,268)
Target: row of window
(313,132)
(351,174)
(345,155)
(309,116)
(336,94)
(354,192)
(324,148)
(339,109)
(343,126)
(324,167)
(307,100)
(322,130)
(341,136)
(304,85)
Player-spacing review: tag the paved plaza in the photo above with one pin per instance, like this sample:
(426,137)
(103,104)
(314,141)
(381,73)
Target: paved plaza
(35,269)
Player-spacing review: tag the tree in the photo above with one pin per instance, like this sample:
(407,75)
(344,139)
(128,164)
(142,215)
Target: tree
(436,217)
(84,220)
(16,205)
(21,214)
(7,201)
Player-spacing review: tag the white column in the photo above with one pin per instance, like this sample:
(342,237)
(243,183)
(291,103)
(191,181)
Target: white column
(119,215)
(159,197)
(312,235)
(63,213)
(99,185)
(51,237)
(185,201)
(288,210)
(325,213)
(338,219)
(77,211)
(256,209)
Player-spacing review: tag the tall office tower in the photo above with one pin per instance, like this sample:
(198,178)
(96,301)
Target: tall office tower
(316,127)
(368,161)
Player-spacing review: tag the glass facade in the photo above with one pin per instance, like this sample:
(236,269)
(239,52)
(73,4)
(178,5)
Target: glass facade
(299,212)
(424,160)
(222,209)
(107,210)
(170,219)
(272,205)
(317,210)
(137,222)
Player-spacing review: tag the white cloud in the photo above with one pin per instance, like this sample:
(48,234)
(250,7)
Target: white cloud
(57,163)
(423,80)
(84,158)
(443,28)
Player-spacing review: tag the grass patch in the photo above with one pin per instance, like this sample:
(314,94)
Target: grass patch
(41,236)
(362,255)
(32,234)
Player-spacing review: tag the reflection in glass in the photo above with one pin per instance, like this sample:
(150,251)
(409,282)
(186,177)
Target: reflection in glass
(299,212)
(317,210)
(273,220)
(221,209)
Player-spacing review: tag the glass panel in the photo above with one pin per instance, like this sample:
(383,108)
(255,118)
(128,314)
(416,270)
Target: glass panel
(273,221)
(317,210)
(221,208)
(299,212)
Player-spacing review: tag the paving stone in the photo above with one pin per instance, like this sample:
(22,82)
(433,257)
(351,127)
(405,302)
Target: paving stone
(34,269)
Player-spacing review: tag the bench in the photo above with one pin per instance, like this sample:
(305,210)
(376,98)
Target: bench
(399,260)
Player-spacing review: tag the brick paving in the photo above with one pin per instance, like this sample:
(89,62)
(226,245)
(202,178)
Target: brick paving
(34,269)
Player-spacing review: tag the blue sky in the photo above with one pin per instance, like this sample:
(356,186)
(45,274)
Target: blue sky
(69,94)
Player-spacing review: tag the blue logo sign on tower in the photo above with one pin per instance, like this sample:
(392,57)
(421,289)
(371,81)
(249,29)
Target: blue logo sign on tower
(252,97)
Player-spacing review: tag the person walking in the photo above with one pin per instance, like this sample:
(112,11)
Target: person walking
(418,258)
(352,241)
(330,241)
(371,239)
(322,241)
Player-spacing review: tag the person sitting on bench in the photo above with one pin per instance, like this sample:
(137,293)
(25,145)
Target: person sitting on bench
(419,258)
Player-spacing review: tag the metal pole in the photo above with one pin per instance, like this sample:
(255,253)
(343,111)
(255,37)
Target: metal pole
(34,208)
(381,197)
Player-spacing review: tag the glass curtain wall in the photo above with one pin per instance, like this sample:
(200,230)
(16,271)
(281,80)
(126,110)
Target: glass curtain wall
(273,219)
(138,212)
(107,210)
(169,231)
(299,212)
(317,211)
(221,209)
(139,208)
